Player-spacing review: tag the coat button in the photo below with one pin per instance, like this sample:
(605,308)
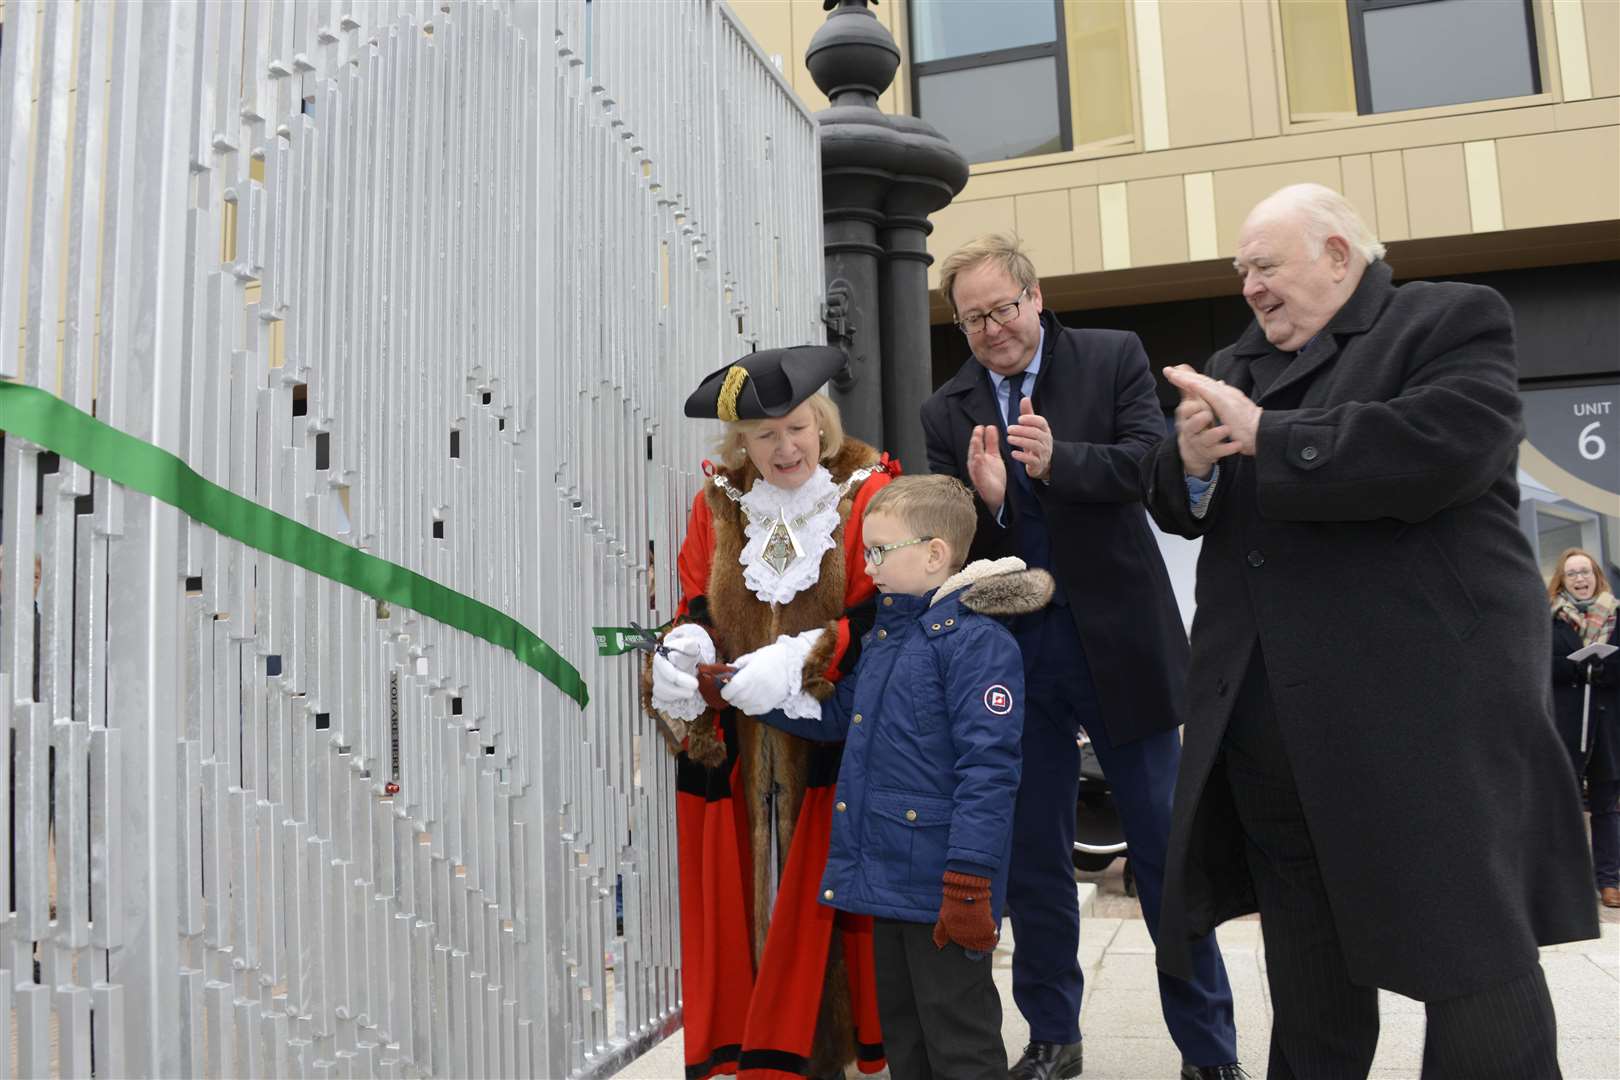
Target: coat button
(935,626)
(950,622)
(888,601)
(1220,687)
(882,634)
(828,895)
(1308,454)
(911,815)
(841,806)
(1256,559)
(855,719)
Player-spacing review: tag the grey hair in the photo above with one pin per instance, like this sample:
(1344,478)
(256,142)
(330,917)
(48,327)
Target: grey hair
(1325,213)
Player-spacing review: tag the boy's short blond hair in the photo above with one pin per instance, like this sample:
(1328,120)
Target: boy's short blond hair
(1000,249)
(936,506)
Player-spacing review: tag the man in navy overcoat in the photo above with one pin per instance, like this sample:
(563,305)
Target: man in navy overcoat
(1061,488)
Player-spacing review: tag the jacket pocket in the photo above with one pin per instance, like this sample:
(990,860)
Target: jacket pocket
(920,688)
(911,834)
(1426,563)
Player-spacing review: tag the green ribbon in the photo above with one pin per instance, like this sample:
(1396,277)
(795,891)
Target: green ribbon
(618,640)
(48,421)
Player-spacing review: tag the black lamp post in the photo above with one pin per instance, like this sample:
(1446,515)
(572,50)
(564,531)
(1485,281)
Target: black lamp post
(881,176)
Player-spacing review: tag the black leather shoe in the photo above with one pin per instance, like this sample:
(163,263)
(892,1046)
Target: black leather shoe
(1234,1071)
(1047,1061)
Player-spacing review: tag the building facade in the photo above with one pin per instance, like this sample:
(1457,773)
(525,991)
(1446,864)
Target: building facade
(1125,140)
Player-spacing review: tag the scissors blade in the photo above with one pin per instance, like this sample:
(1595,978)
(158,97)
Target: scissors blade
(647,640)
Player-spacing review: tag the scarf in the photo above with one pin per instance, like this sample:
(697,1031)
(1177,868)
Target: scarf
(1593,620)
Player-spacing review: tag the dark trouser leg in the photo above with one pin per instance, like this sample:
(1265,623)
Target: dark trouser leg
(1507,1032)
(1142,776)
(897,1003)
(958,1007)
(1041,898)
(1324,1027)
(1605,796)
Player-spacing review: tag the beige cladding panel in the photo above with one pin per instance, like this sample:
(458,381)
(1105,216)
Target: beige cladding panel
(1158,216)
(1086,229)
(1206,76)
(1389,192)
(960,222)
(1238,190)
(1357,171)
(771,23)
(1437,191)
(1265,107)
(1560,178)
(807,18)
(1603,45)
(1043,222)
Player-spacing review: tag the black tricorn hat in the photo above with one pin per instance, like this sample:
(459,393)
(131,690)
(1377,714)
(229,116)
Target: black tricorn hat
(764,384)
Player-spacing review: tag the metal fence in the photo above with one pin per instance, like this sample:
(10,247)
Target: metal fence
(428,281)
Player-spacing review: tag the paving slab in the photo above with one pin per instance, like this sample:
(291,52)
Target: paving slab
(1126,1038)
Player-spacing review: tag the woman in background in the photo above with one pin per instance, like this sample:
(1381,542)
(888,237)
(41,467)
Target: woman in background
(1583,613)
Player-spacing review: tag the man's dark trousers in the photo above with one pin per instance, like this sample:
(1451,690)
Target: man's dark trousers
(1061,700)
(1041,902)
(1325,1027)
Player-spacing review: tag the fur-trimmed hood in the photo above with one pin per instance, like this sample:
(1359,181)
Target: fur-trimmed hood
(999,587)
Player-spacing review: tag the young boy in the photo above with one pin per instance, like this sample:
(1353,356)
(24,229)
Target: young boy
(932,716)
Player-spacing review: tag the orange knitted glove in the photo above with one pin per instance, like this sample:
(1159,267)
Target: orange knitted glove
(964,914)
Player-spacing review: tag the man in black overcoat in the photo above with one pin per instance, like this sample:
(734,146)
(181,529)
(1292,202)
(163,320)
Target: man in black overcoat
(1061,488)
(1370,759)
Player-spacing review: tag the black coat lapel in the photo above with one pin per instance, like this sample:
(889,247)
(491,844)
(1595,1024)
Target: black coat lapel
(1355,317)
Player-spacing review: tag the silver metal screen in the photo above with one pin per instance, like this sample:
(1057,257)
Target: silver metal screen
(432,279)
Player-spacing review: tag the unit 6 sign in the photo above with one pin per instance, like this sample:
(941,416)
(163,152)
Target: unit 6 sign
(1576,429)
(1591,444)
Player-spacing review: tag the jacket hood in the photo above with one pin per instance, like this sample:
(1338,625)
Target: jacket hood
(999,587)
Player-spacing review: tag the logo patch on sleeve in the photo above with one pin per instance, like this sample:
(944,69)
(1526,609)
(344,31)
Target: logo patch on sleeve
(998,699)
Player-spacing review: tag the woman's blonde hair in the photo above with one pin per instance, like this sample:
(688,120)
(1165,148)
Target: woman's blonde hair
(732,449)
(1556,585)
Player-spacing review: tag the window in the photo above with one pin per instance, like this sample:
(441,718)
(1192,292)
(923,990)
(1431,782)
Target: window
(1100,75)
(992,78)
(1411,54)
(1345,57)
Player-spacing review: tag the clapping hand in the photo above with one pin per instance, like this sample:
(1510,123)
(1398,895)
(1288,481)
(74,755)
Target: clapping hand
(985,468)
(1031,439)
(1213,421)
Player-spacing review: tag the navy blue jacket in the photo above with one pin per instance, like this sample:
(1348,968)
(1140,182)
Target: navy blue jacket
(932,718)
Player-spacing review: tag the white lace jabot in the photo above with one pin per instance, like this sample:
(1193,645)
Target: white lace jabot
(765,504)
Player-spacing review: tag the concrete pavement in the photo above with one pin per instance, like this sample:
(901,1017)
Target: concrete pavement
(1126,1039)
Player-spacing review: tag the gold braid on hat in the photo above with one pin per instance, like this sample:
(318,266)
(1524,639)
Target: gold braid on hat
(726,408)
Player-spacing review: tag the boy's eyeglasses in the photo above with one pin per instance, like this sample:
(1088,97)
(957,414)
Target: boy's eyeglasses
(874,555)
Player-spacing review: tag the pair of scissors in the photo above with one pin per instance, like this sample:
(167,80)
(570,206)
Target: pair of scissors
(647,641)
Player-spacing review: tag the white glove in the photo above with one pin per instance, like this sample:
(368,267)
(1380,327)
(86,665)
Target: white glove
(675,685)
(768,677)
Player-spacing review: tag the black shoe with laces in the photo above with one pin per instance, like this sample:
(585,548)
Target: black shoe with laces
(1232,1071)
(1047,1061)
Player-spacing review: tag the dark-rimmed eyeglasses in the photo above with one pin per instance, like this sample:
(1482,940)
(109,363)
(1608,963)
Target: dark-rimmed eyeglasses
(874,555)
(1001,315)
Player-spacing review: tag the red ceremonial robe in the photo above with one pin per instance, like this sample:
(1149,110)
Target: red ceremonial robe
(788,992)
